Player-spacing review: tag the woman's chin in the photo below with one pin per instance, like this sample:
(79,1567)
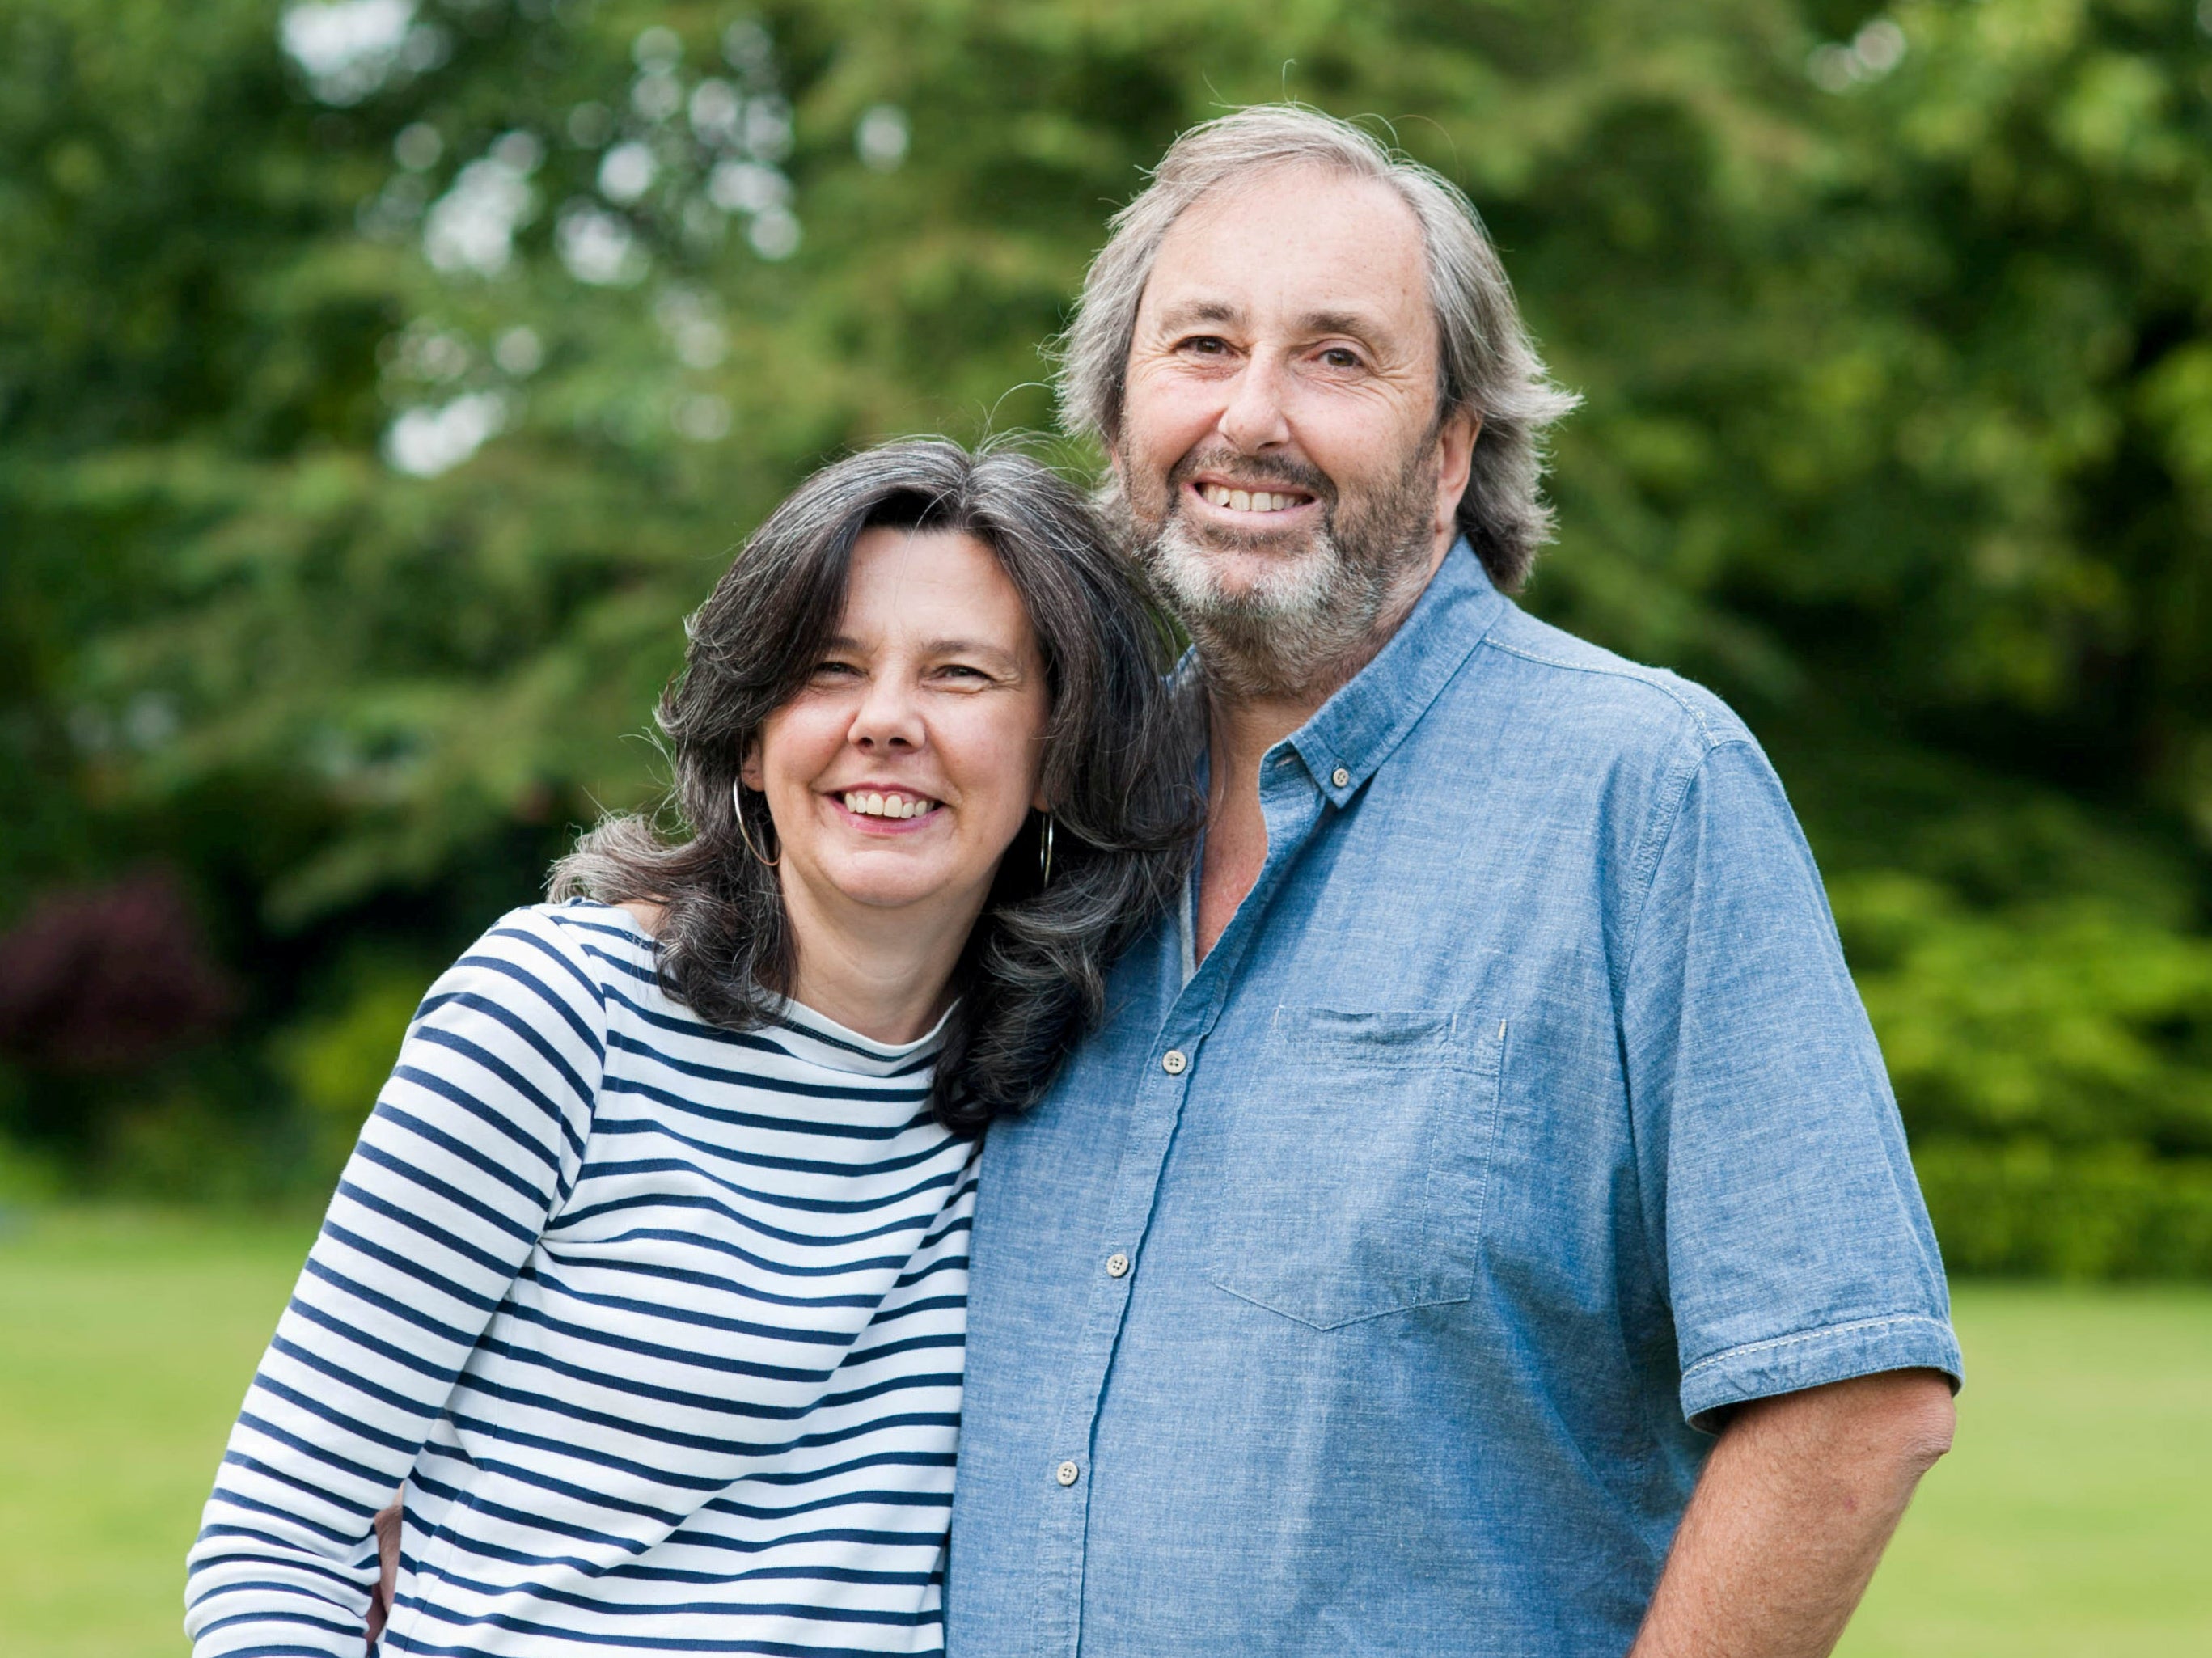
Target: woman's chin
(878,888)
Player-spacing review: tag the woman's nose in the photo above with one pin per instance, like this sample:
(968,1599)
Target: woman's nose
(889,717)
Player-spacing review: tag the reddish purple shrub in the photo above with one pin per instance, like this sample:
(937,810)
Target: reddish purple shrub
(109,978)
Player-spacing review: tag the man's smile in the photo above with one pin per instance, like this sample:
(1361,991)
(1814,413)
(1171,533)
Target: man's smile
(1245,504)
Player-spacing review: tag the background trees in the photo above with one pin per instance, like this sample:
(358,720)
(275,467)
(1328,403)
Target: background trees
(381,381)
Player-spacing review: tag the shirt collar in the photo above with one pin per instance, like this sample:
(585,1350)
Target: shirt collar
(1353,732)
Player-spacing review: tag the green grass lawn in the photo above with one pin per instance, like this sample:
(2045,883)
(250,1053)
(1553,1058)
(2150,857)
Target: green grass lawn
(2074,1517)
(129,1341)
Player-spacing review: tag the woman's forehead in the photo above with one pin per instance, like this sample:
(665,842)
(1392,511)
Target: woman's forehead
(924,582)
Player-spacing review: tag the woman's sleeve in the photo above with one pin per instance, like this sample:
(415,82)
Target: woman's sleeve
(474,1141)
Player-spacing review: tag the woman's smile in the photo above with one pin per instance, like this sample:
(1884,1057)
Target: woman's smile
(887,811)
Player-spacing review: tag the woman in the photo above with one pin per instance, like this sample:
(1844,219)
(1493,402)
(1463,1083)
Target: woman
(649,1271)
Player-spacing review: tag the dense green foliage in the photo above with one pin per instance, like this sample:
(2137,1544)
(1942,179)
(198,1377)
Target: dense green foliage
(367,421)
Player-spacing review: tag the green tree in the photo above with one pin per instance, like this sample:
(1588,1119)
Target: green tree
(379,382)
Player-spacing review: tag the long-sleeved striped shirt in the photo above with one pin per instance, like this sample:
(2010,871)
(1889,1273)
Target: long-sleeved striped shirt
(662,1324)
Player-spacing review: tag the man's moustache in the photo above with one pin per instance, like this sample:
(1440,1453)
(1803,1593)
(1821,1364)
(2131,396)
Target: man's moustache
(1250,469)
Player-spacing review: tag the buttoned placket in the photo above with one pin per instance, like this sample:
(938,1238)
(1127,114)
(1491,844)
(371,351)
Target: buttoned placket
(1291,803)
(1326,765)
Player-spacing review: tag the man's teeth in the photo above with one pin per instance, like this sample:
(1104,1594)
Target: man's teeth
(886,805)
(1246,501)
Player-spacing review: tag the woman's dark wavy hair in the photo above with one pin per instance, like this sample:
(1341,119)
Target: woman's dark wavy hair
(1118,759)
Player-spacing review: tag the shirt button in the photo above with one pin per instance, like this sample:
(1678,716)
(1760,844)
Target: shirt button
(1173,1062)
(1067,1473)
(1340,777)
(1117,1265)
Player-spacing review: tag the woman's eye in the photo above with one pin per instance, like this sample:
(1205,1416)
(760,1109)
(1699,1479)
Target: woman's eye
(1206,345)
(833,670)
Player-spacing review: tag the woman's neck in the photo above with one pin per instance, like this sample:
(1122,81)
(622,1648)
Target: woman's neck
(887,975)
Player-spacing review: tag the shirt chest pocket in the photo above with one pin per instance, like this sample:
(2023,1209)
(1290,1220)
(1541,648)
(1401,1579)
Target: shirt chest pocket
(1356,1162)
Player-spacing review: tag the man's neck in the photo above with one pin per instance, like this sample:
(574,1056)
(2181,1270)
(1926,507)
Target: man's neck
(1240,730)
(1239,736)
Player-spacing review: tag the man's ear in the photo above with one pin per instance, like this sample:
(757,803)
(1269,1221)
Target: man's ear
(1456,436)
(1114,465)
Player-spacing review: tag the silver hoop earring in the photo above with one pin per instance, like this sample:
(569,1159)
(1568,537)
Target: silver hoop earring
(1044,853)
(737,800)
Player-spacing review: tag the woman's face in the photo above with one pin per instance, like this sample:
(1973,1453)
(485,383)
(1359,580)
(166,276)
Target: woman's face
(899,773)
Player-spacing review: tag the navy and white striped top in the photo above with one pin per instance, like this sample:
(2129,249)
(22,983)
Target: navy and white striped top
(662,1324)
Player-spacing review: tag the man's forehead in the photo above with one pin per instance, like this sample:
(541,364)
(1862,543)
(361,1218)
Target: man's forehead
(1325,250)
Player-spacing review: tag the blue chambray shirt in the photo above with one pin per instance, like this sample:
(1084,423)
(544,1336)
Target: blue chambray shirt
(1371,1290)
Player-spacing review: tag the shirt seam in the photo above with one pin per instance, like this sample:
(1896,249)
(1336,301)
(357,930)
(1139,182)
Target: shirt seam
(580,959)
(1634,675)
(558,926)
(1798,1337)
(1644,865)
(1667,809)
(1652,847)
(1658,835)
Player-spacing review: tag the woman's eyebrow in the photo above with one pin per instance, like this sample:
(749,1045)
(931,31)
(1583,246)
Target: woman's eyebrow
(968,648)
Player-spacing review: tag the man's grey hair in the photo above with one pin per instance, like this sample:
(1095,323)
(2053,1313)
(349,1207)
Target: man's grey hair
(1487,365)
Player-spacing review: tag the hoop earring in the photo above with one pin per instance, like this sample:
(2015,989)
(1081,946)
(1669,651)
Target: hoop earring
(1045,853)
(738,799)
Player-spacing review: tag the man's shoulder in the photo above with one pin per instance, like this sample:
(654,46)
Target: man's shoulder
(1565,689)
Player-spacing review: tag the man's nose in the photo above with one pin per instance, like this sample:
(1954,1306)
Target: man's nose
(889,717)
(1254,419)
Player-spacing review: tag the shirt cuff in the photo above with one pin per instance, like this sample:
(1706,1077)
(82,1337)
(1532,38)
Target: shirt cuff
(1810,1359)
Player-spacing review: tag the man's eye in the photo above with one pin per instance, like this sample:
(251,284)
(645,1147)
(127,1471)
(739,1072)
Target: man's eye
(1206,345)
(1338,357)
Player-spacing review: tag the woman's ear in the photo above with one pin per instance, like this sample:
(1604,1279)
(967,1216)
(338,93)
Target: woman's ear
(748,769)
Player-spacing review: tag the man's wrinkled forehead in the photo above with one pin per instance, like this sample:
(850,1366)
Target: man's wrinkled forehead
(1305,248)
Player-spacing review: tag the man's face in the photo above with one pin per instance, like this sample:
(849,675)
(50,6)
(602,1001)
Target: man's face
(1289,483)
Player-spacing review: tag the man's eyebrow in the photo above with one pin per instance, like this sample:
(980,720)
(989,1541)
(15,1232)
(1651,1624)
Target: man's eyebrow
(1358,323)
(1361,324)
(1191,312)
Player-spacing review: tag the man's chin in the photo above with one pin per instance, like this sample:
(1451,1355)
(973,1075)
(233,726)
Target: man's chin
(1256,577)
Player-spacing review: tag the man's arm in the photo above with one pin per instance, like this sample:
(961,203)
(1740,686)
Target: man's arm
(1793,1510)
(387,1526)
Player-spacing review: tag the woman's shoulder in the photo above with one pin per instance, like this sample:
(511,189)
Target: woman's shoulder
(593,947)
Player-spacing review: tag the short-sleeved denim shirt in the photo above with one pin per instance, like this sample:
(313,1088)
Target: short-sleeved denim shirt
(1371,1289)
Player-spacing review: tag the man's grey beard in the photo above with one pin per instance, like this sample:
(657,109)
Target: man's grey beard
(1309,624)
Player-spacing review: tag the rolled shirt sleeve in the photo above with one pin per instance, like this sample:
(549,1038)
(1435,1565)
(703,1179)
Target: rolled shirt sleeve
(1796,1249)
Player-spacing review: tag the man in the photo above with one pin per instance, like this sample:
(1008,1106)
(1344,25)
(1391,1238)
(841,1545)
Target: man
(1483,1225)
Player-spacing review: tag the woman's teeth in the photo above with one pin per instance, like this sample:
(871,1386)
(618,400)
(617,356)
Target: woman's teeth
(886,805)
(1252,500)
